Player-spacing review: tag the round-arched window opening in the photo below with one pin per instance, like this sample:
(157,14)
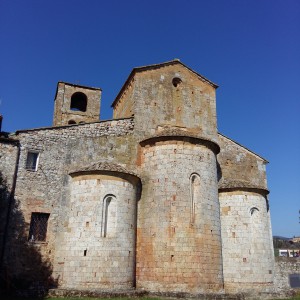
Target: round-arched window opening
(78,102)
(176,81)
(71,122)
(253,211)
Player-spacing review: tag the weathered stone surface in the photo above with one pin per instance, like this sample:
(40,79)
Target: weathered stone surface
(179,238)
(65,114)
(285,266)
(247,247)
(240,167)
(8,158)
(155,199)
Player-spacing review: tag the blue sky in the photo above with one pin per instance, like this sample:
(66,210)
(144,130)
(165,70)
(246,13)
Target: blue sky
(251,49)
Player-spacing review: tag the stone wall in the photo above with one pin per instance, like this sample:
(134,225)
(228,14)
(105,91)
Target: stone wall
(170,96)
(8,158)
(239,167)
(124,107)
(63,113)
(178,237)
(283,268)
(80,182)
(47,190)
(247,247)
(98,249)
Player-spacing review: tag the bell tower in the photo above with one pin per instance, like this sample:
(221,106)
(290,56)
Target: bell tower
(74,104)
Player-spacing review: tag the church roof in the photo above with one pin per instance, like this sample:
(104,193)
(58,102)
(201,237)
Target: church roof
(104,166)
(240,184)
(181,133)
(157,66)
(240,145)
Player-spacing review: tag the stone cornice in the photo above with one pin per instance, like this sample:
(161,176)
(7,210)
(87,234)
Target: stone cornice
(178,134)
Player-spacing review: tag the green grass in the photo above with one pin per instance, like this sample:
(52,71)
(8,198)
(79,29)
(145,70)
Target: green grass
(114,298)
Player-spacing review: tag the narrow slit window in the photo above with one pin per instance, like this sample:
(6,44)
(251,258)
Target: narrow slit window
(108,224)
(38,227)
(32,160)
(195,194)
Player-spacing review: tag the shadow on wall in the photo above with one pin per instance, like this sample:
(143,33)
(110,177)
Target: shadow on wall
(23,271)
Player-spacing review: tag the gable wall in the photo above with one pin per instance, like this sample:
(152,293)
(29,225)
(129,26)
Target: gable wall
(239,166)
(124,108)
(157,102)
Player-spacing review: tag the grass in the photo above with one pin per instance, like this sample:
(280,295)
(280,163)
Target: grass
(114,298)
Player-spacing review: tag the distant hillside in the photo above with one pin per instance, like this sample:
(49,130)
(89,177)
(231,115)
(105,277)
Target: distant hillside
(284,242)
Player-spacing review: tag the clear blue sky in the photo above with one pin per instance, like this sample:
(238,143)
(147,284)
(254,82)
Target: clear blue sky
(251,49)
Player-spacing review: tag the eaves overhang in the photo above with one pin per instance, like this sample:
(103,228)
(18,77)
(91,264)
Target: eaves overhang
(181,135)
(107,168)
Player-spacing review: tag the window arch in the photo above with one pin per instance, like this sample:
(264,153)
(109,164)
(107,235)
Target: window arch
(253,211)
(109,216)
(195,194)
(78,102)
(71,122)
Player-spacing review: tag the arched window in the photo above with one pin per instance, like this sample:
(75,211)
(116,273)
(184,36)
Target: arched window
(71,122)
(253,211)
(109,216)
(195,195)
(78,102)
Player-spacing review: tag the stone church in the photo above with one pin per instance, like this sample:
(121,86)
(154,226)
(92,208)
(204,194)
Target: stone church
(155,199)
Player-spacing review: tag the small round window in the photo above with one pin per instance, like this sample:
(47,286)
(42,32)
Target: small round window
(176,81)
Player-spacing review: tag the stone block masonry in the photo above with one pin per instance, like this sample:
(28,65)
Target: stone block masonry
(246,231)
(154,200)
(179,238)
(99,240)
(61,150)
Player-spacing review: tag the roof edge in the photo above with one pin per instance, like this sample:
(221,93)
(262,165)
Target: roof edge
(207,142)
(260,190)
(75,85)
(70,125)
(156,66)
(79,85)
(266,161)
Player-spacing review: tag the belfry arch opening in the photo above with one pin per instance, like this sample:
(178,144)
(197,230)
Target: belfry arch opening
(78,102)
